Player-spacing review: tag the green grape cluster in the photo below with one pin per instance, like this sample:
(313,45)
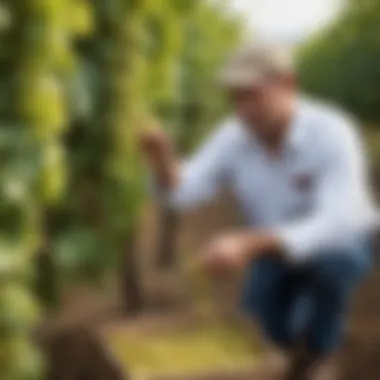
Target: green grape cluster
(19,239)
(151,58)
(92,71)
(36,63)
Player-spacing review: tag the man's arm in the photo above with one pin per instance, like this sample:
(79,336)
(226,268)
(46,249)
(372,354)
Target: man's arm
(183,185)
(343,209)
(344,206)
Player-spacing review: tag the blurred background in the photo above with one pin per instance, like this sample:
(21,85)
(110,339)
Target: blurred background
(96,281)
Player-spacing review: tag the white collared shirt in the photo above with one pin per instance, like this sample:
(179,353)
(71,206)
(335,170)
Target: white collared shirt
(315,196)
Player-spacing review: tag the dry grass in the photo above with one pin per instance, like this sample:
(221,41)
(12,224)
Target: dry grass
(193,350)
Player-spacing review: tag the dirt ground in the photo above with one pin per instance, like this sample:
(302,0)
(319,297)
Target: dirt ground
(360,356)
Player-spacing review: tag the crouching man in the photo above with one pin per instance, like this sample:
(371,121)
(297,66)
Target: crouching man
(298,170)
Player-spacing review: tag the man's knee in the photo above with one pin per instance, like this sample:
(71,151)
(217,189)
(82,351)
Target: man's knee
(333,280)
(261,285)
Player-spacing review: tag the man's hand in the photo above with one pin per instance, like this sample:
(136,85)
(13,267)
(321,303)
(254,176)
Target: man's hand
(226,252)
(156,147)
(158,150)
(235,250)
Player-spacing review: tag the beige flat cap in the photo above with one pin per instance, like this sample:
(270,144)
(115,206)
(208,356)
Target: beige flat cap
(251,64)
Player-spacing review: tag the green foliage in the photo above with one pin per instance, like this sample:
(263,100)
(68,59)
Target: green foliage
(35,62)
(78,80)
(19,359)
(342,63)
(143,60)
(210,32)
(83,253)
(18,310)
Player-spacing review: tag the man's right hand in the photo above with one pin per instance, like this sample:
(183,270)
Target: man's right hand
(159,152)
(156,147)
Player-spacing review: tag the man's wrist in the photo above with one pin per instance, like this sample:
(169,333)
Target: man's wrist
(167,174)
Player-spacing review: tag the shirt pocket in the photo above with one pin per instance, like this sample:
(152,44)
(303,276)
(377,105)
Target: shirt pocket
(301,187)
(303,182)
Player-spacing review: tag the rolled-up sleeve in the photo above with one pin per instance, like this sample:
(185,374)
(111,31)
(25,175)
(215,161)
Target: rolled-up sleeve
(343,204)
(202,176)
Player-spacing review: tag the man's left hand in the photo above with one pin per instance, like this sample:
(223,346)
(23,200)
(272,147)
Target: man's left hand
(226,252)
(232,251)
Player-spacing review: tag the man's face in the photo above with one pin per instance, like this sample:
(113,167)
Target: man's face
(262,105)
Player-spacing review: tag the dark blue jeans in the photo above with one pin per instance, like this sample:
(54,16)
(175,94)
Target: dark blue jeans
(308,302)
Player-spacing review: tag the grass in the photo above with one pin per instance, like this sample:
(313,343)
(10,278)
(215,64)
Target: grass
(199,350)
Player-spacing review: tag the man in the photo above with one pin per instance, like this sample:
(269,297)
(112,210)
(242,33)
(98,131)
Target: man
(298,171)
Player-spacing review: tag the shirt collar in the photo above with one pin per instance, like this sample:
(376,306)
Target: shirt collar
(296,130)
(295,134)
